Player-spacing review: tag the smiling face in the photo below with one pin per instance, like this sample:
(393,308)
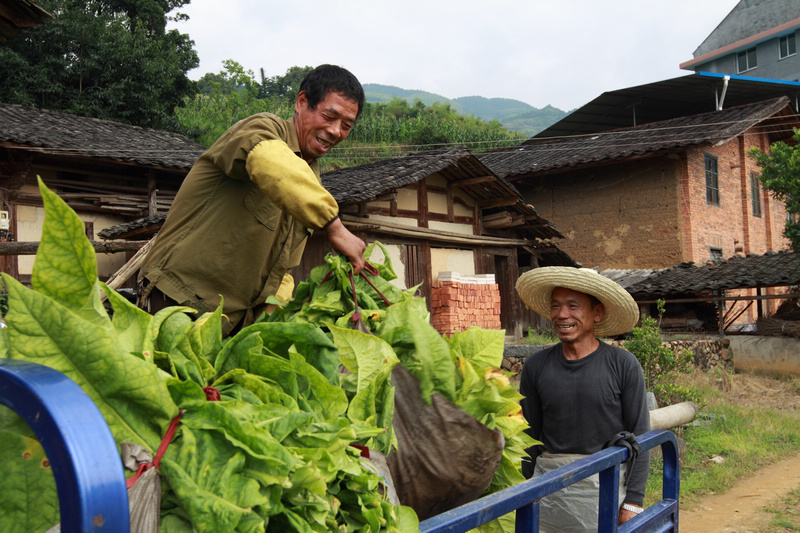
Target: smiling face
(323,127)
(574,316)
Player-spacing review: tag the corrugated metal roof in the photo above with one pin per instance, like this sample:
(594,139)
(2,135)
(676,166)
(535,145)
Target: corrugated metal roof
(667,99)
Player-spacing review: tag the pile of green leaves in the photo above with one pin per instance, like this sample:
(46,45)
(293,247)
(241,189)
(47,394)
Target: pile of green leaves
(464,368)
(274,454)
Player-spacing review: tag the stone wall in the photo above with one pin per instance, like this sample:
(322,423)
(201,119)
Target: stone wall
(708,353)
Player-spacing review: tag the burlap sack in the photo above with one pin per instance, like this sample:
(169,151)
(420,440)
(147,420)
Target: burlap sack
(444,457)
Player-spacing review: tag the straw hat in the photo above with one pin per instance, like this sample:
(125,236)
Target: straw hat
(536,286)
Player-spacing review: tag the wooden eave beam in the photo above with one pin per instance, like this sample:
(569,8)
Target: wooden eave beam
(110,247)
(473,181)
(430,234)
(498,202)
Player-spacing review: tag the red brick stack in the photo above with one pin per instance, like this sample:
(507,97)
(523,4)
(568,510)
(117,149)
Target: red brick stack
(460,302)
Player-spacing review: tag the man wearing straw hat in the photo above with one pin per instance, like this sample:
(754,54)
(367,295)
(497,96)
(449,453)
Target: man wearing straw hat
(581,393)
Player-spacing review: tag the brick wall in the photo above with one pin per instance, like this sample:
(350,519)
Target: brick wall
(459,303)
(653,212)
(732,225)
(624,215)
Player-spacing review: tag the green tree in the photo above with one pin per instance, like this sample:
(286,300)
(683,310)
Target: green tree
(283,88)
(780,173)
(110,59)
(225,98)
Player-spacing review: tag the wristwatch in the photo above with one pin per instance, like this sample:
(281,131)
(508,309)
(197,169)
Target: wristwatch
(632,508)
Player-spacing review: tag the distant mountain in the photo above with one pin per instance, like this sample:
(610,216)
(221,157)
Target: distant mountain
(512,114)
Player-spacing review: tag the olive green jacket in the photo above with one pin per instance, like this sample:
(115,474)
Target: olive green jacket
(239,222)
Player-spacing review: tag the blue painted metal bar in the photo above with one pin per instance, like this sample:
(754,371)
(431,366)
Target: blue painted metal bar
(524,497)
(83,455)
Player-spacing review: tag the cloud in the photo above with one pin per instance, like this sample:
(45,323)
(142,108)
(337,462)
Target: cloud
(541,52)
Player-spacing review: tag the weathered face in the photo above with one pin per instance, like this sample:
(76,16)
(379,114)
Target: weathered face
(325,126)
(573,315)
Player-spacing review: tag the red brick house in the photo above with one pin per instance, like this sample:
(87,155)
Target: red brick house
(652,196)
(656,195)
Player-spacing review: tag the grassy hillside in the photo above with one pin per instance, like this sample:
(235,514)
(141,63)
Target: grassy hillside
(512,114)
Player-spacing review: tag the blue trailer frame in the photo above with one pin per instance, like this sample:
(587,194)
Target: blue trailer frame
(93,497)
(524,497)
(82,453)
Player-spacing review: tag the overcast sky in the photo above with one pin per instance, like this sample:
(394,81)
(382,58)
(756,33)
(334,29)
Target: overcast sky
(558,52)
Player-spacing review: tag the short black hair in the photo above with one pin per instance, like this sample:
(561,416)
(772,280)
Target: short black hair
(325,78)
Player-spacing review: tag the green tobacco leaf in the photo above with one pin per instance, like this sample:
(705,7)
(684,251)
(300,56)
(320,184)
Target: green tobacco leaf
(206,338)
(363,354)
(420,348)
(130,323)
(175,338)
(3,343)
(42,331)
(65,268)
(282,338)
(481,347)
(30,500)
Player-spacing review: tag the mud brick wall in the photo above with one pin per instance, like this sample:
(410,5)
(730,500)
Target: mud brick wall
(459,303)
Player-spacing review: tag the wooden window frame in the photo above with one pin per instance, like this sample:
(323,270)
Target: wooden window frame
(712,179)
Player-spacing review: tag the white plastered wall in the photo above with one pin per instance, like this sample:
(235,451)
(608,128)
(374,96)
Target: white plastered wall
(30,221)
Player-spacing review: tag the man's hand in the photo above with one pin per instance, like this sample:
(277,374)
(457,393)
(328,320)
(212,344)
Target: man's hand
(344,242)
(625,515)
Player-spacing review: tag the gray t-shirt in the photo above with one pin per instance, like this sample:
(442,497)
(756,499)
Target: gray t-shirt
(578,406)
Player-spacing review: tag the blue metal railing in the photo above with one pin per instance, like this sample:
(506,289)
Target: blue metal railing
(80,448)
(524,497)
(93,498)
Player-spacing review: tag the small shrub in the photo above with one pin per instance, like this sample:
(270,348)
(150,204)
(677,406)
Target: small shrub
(659,363)
(538,336)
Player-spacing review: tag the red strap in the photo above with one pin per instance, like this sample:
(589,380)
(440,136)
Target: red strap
(212,395)
(385,300)
(356,313)
(162,448)
(364,449)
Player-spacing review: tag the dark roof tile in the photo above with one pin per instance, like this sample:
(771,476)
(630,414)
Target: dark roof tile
(666,136)
(62,133)
(772,269)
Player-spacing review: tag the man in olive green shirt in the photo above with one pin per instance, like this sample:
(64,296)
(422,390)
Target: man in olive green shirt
(242,216)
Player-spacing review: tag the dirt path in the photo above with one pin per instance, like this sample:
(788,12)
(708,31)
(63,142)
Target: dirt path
(739,510)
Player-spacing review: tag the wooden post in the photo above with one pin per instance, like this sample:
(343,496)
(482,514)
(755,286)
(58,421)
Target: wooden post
(152,207)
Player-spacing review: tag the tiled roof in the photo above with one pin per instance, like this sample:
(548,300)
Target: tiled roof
(61,133)
(369,181)
(457,165)
(773,269)
(121,231)
(657,137)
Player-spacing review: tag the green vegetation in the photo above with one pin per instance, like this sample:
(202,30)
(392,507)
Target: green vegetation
(780,173)
(384,129)
(540,336)
(108,60)
(514,115)
(786,513)
(733,436)
(660,364)
(281,418)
